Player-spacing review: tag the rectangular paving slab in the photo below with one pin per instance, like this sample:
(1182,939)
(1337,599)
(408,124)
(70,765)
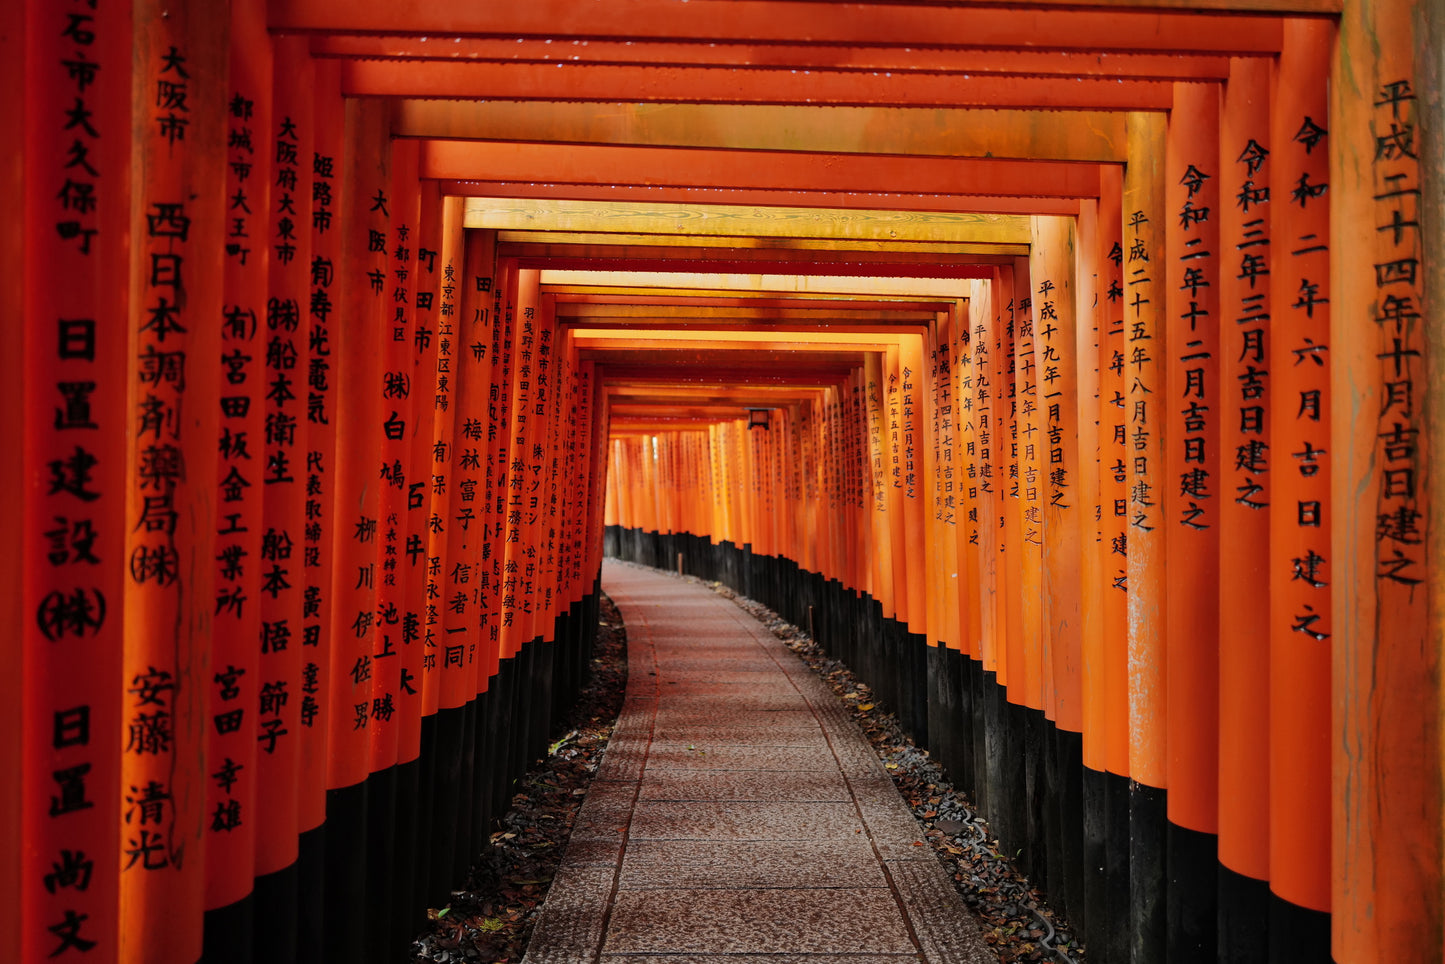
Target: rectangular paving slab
(738,816)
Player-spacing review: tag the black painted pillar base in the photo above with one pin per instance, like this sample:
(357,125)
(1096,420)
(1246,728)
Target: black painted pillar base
(345,886)
(1243,918)
(1298,935)
(1193,910)
(274,931)
(226,935)
(1148,874)
(311,934)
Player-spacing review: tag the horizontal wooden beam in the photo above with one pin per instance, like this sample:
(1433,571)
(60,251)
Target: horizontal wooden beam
(820,247)
(563,81)
(600,164)
(931,132)
(1118,28)
(694,197)
(736,319)
(1137,66)
(511,214)
(638,299)
(941,288)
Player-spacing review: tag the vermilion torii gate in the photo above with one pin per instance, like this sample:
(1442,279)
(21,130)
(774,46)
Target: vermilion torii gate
(1096,343)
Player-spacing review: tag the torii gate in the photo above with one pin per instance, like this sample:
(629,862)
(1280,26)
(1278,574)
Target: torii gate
(259,591)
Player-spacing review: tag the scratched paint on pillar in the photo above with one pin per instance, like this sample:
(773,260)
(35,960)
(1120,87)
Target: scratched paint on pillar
(173,598)
(74,278)
(1145,355)
(1400,293)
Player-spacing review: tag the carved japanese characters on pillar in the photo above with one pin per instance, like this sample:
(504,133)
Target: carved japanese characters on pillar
(75,363)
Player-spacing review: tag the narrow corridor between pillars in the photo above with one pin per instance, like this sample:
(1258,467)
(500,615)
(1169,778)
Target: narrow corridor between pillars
(1103,849)
(739,811)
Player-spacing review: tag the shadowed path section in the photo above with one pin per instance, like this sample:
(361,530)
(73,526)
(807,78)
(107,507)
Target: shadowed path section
(738,814)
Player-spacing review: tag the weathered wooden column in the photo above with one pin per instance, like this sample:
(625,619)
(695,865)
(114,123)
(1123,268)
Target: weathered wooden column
(1385,321)
(67,360)
(1145,358)
(174,696)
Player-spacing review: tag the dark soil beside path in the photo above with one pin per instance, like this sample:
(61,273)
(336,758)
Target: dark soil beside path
(490,920)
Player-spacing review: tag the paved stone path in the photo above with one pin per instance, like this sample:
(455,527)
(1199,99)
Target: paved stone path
(739,816)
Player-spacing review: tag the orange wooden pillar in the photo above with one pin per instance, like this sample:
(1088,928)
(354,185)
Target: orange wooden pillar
(248,570)
(1055,296)
(357,533)
(1091,307)
(322,294)
(948,457)
(1031,687)
(497,467)
(920,569)
(983,475)
(1115,460)
(1385,319)
(465,556)
(871,422)
(1145,357)
(288,144)
(1006,425)
(1192,199)
(1301,575)
(444,745)
(172,599)
(66,366)
(437,220)
(1244,508)
(1106,776)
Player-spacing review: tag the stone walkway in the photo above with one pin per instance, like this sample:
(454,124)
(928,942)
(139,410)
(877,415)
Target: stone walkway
(738,815)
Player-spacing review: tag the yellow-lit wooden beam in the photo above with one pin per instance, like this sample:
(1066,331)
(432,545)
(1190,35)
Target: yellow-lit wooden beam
(908,287)
(520,214)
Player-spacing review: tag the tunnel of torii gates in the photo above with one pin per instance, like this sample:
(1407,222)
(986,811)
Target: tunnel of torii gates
(1064,367)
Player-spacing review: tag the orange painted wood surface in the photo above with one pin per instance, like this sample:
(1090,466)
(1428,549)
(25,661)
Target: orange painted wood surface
(172,599)
(1244,491)
(1146,344)
(1193,199)
(1301,576)
(1055,294)
(1385,653)
(67,367)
